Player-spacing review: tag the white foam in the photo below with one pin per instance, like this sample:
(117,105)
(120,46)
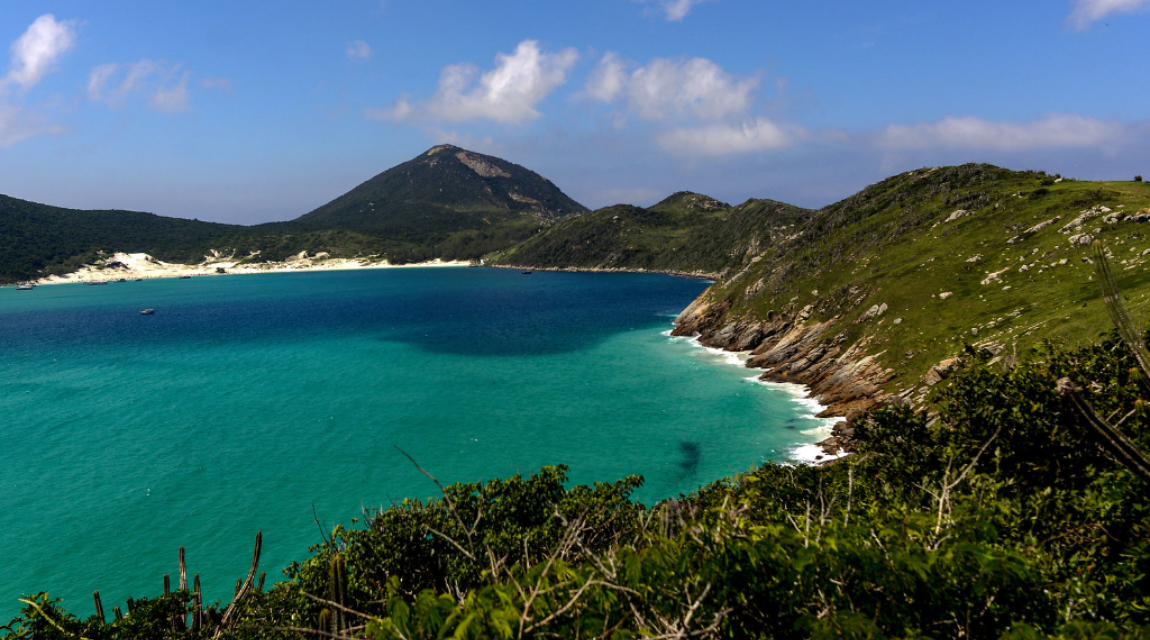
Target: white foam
(808,453)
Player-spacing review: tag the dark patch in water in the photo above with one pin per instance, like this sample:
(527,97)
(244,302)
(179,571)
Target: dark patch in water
(691,453)
(791,426)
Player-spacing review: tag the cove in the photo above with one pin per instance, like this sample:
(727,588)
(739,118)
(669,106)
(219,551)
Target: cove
(246,402)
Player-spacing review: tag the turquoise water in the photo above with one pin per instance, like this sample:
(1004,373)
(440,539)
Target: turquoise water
(246,401)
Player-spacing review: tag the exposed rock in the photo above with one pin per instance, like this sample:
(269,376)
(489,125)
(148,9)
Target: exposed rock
(960,213)
(1016,240)
(995,276)
(1042,225)
(940,371)
(481,166)
(945,294)
(1081,240)
(873,312)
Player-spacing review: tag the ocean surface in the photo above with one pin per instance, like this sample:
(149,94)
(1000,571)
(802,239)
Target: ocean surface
(246,402)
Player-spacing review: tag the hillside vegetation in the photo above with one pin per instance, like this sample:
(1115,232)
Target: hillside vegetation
(902,275)
(685,233)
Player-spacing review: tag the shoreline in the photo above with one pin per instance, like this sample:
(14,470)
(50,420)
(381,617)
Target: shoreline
(813,453)
(141,266)
(699,275)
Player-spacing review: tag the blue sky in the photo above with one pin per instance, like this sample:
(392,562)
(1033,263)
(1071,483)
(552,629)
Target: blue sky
(255,111)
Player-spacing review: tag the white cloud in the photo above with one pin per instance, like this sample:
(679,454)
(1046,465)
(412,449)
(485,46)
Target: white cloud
(16,125)
(358,50)
(968,132)
(172,98)
(1088,11)
(216,83)
(36,51)
(674,10)
(759,134)
(113,83)
(507,94)
(672,87)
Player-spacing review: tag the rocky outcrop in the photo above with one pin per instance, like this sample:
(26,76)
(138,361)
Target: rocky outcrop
(846,381)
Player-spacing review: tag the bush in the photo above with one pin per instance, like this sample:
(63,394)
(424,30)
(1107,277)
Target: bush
(1137,178)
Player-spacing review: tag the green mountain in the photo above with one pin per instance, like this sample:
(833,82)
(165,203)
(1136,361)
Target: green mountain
(685,233)
(449,202)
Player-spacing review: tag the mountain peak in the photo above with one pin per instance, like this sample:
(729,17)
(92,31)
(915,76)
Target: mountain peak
(689,201)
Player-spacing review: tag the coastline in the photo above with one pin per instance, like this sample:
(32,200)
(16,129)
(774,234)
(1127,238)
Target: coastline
(815,453)
(141,266)
(700,275)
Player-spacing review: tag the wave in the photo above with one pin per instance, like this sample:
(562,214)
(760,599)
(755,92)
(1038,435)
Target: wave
(808,452)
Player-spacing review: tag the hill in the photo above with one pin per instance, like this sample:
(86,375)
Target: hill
(870,297)
(685,233)
(445,203)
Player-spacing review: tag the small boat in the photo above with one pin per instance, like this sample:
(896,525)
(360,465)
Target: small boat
(527,273)
(96,282)
(27,286)
(148,312)
(185,277)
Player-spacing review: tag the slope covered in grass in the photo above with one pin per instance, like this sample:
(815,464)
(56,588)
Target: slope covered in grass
(915,267)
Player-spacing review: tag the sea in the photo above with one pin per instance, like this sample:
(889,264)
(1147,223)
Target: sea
(281,403)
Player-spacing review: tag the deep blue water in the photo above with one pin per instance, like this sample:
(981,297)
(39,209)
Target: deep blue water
(246,401)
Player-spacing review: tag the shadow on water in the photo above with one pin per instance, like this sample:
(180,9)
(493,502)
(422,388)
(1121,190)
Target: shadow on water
(471,312)
(692,452)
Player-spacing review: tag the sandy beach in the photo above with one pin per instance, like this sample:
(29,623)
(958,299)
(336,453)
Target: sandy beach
(133,266)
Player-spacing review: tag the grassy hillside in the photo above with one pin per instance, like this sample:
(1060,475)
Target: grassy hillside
(685,233)
(974,254)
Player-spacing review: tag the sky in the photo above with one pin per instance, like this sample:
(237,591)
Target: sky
(253,111)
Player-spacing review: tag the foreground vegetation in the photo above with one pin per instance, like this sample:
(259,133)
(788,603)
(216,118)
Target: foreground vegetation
(1016,509)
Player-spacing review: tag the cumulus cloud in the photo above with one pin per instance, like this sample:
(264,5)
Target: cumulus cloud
(34,54)
(358,50)
(759,134)
(969,132)
(113,83)
(674,10)
(507,93)
(667,87)
(1089,11)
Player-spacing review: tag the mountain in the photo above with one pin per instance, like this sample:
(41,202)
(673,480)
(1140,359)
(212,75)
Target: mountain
(685,233)
(449,202)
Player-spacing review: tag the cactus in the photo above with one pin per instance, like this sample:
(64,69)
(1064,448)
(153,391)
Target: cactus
(183,571)
(337,592)
(232,611)
(117,613)
(260,585)
(198,612)
(167,584)
(99,607)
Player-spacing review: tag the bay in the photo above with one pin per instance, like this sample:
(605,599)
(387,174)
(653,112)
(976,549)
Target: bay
(251,402)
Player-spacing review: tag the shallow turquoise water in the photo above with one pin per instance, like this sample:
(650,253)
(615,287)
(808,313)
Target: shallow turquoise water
(247,400)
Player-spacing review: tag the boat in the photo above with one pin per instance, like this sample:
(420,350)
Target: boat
(96,282)
(148,312)
(185,277)
(27,286)
(527,273)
